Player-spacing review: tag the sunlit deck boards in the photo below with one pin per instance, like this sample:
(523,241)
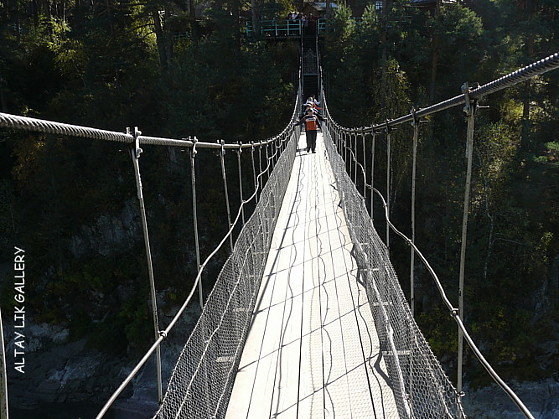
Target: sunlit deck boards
(312,351)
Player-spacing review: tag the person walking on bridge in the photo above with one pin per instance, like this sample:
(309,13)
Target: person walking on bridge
(312,123)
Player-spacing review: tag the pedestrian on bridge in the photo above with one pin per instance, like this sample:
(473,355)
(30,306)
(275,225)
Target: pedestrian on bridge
(312,123)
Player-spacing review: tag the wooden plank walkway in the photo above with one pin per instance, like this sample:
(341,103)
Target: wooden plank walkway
(312,351)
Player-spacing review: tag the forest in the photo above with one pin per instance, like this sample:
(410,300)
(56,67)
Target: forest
(179,69)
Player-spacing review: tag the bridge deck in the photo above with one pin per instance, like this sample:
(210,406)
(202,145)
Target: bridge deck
(312,350)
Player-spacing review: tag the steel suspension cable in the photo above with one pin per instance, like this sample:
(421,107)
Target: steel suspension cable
(69,130)
(535,69)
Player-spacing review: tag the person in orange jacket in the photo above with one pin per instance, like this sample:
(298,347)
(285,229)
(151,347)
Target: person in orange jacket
(312,123)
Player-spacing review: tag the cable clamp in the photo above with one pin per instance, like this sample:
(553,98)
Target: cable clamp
(388,127)
(470,104)
(193,152)
(455,312)
(163,334)
(136,145)
(415,120)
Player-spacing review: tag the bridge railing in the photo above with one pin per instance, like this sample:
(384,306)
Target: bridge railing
(407,349)
(420,385)
(219,335)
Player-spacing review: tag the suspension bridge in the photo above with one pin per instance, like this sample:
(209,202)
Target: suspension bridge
(307,317)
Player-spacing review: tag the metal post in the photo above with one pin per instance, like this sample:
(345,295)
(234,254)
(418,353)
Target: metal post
(469,109)
(335,137)
(373,173)
(224,176)
(239,151)
(4,412)
(193,153)
(135,153)
(260,159)
(254,170)
(388,161)
(350,154)
(355,159)
(267,164)
(346,158)
(415,124)
(364,167)
(338,140)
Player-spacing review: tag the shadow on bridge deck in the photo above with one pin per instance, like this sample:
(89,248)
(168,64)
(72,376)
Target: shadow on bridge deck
(312,350)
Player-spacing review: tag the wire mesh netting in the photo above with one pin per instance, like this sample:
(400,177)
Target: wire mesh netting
(420,385)
(203,377)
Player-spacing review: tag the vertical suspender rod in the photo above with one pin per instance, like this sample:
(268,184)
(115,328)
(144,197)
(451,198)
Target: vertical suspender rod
(364,167)
(193,153)
(135,153)
(469,109)
(415,125)
(388,170)
(224,176)
(254,170)
(239,151)
(373,145)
